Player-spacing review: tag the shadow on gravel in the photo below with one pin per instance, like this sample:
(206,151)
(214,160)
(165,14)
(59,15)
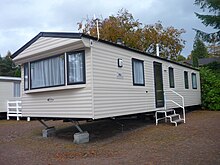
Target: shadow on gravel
(103,129)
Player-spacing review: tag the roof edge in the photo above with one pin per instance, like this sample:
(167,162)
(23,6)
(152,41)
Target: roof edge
(80,35)
(10,78)
(46,34)
(137,51)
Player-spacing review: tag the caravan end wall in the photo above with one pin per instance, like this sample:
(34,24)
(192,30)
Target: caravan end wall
(9,90)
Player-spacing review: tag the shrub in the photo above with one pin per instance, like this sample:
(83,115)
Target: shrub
(210,86)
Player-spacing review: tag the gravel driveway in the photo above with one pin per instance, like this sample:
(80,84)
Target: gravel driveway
(137,142)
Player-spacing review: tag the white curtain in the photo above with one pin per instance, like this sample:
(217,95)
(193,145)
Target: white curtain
(138,72)
(17,89)
(194,81)
(76,70)
(171,77)
(26,76)
(49,72)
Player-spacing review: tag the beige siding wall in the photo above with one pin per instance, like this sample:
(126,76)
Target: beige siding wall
(6,93)
(108,91)
(191,96)
(115,95)
(68,103)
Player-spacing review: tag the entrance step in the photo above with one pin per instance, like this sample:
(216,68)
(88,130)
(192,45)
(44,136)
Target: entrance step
(173,115)
(169,114)
(177,121)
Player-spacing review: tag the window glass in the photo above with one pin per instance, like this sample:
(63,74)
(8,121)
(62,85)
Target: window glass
(186,80)
(48,72)
(76,67)
(194,81)
(171,77)
(17,89)
(138,72)
(26,73)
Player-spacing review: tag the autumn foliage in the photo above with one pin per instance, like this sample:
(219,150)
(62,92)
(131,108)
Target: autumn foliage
(136,35)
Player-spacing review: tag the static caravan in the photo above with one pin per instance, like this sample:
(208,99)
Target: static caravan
(76,76)
(9,90)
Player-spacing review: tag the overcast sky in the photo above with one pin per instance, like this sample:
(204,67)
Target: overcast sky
(21,20)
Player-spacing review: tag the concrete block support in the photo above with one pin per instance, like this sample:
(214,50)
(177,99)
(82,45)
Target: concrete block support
(81,137)
(48,132)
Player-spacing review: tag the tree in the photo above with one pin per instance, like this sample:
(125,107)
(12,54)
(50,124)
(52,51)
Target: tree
(199,51)
(8,68)
(180,58)
(210,82)
(214,50)
(213,20)
(136,35)
(189,57)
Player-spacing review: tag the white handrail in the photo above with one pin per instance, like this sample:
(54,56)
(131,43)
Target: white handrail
(183,106)
(175,103)
(14,109)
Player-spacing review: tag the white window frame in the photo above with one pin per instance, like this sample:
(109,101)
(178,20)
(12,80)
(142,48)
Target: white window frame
(194,81)
(138,75)
(75,76)
(26,76)
(171,77)
(186,79)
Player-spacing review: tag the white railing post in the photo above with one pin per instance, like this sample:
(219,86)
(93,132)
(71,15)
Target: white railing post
(183,103)
(165,100)
(14,109)
(17,109)
(7,110)
(184,113)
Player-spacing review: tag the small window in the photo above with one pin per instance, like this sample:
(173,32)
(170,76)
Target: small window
(48,72)
(138,72)
(17,89)
(171,77)
(186,80)
(194,81)
(26,73)
(76,67)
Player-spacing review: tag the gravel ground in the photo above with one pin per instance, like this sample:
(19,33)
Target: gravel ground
(138,142)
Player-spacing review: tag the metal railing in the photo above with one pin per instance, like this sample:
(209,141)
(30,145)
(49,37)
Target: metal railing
(181,106)
(14,109)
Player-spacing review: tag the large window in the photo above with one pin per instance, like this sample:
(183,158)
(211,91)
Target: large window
(76,67)
(171,77)
(26,76)
(186,80)
(138,72)
(194,81)
(17,89)
(48,72)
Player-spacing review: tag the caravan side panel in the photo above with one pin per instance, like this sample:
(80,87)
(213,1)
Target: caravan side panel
(191,96)
(114,92)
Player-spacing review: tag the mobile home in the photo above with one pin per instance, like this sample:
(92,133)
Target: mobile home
(76,76)
(9,90)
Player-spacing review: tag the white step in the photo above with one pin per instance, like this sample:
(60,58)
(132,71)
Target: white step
(173,115)
(178,120)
